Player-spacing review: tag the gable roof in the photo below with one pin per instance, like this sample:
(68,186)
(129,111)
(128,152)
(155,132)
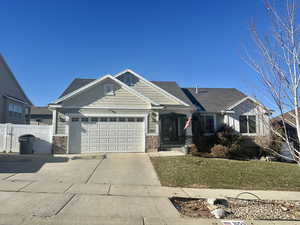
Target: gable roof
(24,96)
(214,99)
(96,81)
(169,86)
(289,117)
(169,95)
(173,88)
(76,84)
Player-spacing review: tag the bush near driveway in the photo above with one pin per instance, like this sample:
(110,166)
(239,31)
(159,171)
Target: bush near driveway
(197,172)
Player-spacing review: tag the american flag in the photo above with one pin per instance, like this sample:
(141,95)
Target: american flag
(188,123)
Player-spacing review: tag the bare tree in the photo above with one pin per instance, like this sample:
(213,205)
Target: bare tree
(277,64)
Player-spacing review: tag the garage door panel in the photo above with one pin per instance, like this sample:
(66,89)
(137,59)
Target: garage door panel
(121,134)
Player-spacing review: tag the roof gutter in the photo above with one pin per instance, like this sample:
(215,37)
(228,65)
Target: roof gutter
(16,100)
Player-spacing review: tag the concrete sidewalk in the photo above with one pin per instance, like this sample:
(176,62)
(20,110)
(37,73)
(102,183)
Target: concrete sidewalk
(78,203)
(139,190)
(93,189)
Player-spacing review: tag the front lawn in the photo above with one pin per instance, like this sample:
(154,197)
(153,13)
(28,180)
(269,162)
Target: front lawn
(196,172)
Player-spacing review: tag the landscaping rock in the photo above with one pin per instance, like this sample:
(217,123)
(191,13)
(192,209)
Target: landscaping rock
(212,207)
(219,213)
(217,201)
(211,201)
(240,209)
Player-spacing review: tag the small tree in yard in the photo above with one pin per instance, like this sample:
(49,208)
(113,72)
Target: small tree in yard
(277,64)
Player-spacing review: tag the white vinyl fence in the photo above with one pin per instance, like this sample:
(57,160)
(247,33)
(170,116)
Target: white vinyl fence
(10,133)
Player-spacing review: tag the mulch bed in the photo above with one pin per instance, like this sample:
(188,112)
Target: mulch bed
(240,209)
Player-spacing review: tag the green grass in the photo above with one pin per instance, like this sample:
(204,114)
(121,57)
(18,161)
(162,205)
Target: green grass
(196,172)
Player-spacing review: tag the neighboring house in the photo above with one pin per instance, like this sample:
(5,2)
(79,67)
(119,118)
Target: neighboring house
(14,104)
(40,115)
(290,123)
(127,113)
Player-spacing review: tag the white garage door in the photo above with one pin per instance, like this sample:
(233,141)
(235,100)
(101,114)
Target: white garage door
(107,134)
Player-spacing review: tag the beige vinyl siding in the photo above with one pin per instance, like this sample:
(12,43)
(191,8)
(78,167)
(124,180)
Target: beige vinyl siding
(147,90)
(249,108)
(63,113)
(68,111)
(95,97)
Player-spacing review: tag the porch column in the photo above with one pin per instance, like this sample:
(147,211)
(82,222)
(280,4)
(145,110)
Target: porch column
(54,121)
(188,132)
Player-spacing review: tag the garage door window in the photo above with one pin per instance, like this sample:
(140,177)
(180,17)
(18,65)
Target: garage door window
(113,119)
(122,119)
(74,119)
(84,119)
(130,119)
(140,119)
(94,119)
(103,119)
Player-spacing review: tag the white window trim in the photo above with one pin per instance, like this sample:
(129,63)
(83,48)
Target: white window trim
(248,134)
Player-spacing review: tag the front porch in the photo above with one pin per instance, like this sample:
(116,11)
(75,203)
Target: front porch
(172,132)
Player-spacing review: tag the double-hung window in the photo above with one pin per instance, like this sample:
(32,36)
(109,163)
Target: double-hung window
(247,124)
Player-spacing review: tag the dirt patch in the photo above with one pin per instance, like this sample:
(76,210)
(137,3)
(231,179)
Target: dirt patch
(240,209)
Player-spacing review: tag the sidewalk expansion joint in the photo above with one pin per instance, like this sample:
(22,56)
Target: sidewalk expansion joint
(20,190)
(109,188)
(9,176)
(68,188)
(93,172)
(64,205)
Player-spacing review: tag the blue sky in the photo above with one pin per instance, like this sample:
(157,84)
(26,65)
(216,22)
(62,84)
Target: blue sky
(49,43)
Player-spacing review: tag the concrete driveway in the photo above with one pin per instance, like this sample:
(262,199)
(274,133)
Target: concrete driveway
(57,189)
(129,169)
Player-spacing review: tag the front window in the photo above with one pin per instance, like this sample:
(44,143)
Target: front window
(247,124)
(206,123)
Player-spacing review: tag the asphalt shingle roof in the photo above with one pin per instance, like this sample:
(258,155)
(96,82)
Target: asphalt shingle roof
(207,99)
(76,84)
(214,99)
(173,88)
(169,86)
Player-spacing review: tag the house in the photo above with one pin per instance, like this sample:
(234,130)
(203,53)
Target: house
(128,113)
(40,115)
(14,104)
(290,124)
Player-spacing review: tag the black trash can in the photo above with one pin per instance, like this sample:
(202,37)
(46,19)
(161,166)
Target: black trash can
(26,144)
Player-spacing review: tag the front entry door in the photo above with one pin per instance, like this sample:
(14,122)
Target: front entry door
(172,128)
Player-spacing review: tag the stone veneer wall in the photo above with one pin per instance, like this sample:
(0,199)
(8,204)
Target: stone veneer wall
(60,145)
(152,143)
(188,140)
